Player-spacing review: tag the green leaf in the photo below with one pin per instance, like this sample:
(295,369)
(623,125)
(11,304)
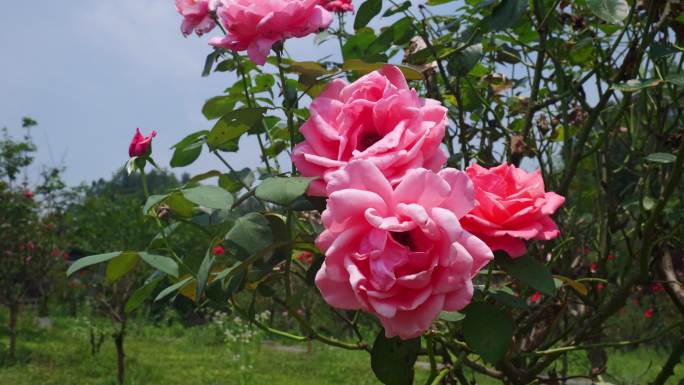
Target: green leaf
(140,295)
(290,94)
(175,287)
(661,157)
(506,14)
(179,204)
(226,66)
(91,260)
(675,78)
(438,2)
(232,126)
(381,43)
(393,359)
(209,63)
(451,316)
(466,59)
(399,8)
(509,300)
(403,31)
(235,181)
(164,264)
(203,274)
(203,176)
(311,68)
(211,197)
(282,191)
(152,201)
(121,265)
(487,330)
(636,85)
(251,232)
(188,149)
(411,73)
(367,11)
(528,271)
(612,11)
(218,106)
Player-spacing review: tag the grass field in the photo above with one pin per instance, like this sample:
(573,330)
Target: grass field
(176,356)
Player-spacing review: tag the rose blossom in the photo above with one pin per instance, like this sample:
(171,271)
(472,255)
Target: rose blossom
(256,26)
(378,118)
(141,145)
(398,252)
(196,16)
(340,6)
(511,206)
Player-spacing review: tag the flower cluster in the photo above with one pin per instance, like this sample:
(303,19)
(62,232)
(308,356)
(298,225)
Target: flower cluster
(404,236)
(256,26)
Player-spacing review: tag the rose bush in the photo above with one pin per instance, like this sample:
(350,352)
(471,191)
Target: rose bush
(369,214)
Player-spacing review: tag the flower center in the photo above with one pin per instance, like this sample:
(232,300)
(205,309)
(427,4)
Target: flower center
(404,238)
(367,139)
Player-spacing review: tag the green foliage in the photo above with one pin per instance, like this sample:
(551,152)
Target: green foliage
(487,330)
(282,191)
(589,92)
(392,359)
(367,11)
(529,271)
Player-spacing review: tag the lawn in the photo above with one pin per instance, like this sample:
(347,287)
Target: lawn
(174,355)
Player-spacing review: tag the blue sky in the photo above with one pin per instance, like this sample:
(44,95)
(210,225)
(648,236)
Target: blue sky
(91,71)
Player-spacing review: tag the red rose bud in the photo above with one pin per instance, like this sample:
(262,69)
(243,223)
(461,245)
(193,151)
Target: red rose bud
(657,287)
(536,297)
(306,258)
(141,146)
(28,195)
(649,313)
(611,257)
(218,250)
(594,267)
(600,286)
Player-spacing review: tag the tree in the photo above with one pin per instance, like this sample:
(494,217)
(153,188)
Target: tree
(31,238)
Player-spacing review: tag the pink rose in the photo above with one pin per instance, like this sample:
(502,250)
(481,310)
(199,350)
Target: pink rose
(511,206)
(378,118)
(398,252)
(141,146)
(256,25)
(196,16)
(340,6)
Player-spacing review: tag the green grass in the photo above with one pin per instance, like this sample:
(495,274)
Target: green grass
(173,355)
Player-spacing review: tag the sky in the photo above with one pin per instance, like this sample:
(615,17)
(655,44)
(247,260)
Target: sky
(91,71)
